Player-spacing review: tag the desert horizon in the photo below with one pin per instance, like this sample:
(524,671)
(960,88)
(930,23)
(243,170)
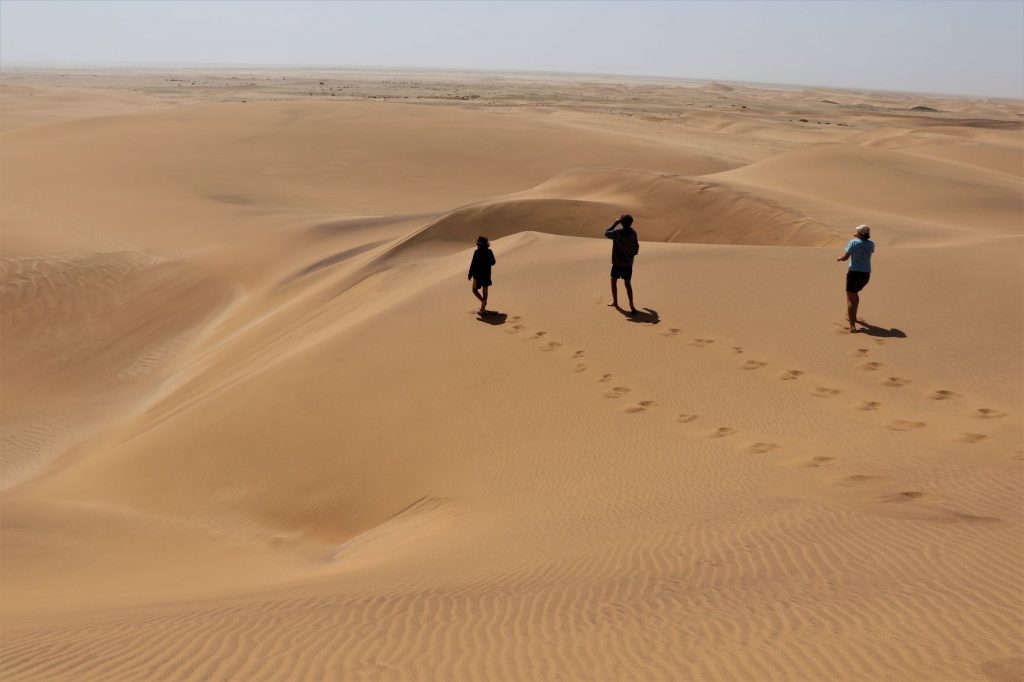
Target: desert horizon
(254,427)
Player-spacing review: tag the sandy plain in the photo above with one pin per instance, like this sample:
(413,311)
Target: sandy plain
(252,428)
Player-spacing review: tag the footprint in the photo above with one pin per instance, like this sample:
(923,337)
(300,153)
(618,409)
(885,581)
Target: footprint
(672,332)
(737,350)
(578,354)
(753,364)
(516,318)
(870,366)
(641,406)
(791,374)
(684,418)
(551,345)
(859,352)
(869,406)
(722,432)
(760,448)
(516,328)
(616,392)
(896,382)
(804,462)
(862,479)
(700,343)
(987,413)
(902,425)
(539,335)
(904,496)
(825,392)
(580,367)
(973,438)
(943,394)
(605,378)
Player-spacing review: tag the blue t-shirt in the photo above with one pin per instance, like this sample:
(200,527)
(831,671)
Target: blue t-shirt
(860,251)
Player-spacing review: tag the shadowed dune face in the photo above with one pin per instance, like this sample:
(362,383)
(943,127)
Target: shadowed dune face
(254,428)
(84,337)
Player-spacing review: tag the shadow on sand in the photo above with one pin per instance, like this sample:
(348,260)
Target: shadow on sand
(872,330)
(492,317)
(642,316)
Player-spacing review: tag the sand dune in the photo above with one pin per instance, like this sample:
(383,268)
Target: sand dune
(943,194)
(672,208)
(253,429)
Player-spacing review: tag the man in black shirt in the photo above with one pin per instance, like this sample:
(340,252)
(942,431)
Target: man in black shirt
(625,246)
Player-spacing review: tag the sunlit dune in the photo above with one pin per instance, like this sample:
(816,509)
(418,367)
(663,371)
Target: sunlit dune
(253,428)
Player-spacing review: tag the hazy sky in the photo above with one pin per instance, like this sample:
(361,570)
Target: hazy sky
(961,46)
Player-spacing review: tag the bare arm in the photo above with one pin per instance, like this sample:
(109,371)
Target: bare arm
(846,256)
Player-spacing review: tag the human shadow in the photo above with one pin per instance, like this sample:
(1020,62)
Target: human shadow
(492,317)
(642,316)
(872,330)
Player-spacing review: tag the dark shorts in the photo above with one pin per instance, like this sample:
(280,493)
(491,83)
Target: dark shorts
(855,281)
(481,282)
(622,272)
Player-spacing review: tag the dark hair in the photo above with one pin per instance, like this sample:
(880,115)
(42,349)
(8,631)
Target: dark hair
(482,242)
(626,220)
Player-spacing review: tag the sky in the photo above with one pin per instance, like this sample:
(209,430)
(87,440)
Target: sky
(969,47)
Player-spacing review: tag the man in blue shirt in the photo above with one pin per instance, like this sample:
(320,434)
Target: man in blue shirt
(858,252)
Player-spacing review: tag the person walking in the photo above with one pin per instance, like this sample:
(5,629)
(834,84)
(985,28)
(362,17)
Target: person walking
(480,271)
(858,252)
(625,246)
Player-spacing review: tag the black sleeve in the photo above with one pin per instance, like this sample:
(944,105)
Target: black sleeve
(472,265)
(490,255)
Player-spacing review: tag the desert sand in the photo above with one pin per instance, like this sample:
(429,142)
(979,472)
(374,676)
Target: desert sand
(253,428)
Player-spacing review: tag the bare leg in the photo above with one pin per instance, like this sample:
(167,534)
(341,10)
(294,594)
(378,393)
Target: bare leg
(476,292)
(483,301)
(615,294)
(629,291)
(852,301)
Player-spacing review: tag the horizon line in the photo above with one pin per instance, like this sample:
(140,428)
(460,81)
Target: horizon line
(400,69)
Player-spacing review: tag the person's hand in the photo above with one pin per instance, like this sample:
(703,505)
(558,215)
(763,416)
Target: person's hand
(839,260)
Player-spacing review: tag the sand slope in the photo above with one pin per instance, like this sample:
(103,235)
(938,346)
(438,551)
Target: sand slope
(277,443)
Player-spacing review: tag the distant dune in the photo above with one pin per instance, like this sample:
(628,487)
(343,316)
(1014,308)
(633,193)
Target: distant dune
(252,427)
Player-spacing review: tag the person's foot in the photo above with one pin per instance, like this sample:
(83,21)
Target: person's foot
(634,311)
(613,304)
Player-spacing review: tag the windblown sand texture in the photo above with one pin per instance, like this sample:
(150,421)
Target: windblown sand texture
(253,430)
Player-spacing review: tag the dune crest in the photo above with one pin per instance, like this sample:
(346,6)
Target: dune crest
(668,208)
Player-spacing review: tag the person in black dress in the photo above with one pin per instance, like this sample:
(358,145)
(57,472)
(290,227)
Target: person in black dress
(480,271)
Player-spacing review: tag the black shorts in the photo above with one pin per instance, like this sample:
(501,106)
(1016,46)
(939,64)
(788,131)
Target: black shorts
(622,272)
(481,282)
(855,281)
